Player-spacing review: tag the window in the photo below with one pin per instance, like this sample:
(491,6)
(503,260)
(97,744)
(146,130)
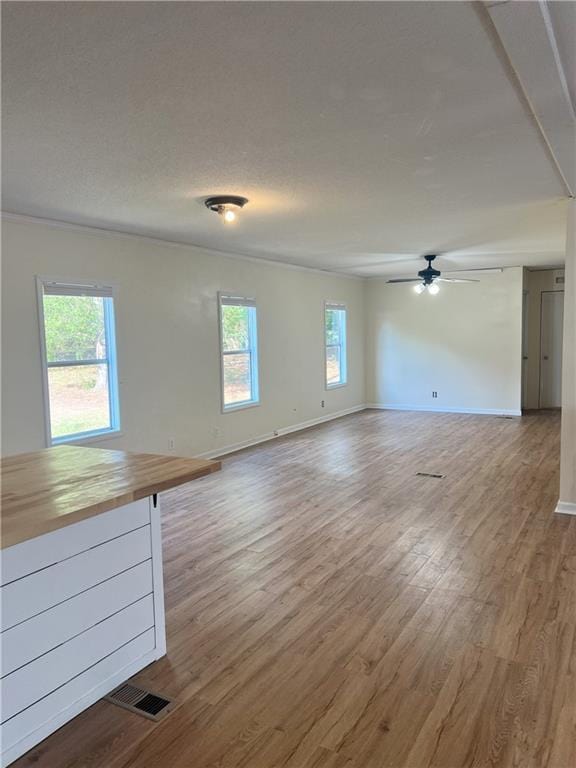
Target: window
(79,360)
(335,338)
(239,347)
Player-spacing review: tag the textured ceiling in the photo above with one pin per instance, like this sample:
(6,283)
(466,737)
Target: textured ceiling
(364,134)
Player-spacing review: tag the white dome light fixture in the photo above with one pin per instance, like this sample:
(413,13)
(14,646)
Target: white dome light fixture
(420,288)
(226,206)
(433,289)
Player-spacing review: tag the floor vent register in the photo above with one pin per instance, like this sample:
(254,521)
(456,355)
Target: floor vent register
(141,702)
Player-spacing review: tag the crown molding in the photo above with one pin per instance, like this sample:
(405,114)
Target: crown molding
(116,233)
(105,232)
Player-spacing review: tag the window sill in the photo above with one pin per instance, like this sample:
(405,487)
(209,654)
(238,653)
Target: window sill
(336,386)
(240,406)
(81,439)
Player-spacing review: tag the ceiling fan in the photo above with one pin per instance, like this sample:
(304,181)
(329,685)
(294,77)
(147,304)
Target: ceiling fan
(429,278)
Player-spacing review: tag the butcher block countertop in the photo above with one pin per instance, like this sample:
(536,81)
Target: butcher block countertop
(49,489)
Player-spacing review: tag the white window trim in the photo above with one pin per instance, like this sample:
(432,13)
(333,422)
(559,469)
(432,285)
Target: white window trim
(335,305)
(85,437)
(255,373)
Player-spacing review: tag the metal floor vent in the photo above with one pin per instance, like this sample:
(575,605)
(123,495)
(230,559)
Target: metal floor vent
(142,702)
(429,474)
(504,417)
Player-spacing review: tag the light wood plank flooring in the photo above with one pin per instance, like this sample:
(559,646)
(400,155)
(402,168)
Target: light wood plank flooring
(327,608)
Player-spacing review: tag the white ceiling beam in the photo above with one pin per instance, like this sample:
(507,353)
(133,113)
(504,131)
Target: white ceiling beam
(526,33)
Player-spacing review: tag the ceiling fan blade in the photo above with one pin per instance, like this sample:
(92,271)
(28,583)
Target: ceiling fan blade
(455,280)
(485,270)
(405,280)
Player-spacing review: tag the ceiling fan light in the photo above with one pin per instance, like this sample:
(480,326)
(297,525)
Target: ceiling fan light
(420,288)
(433,289)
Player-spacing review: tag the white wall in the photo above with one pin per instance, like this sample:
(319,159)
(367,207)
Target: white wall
(464,343)
(167,335)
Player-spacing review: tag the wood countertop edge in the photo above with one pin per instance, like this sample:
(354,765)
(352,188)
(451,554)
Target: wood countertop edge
(106,505)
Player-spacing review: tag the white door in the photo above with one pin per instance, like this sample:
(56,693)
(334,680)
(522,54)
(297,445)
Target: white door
(551,319)
(524,348)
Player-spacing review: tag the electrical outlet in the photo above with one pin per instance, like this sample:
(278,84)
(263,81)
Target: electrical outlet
(171,444)
(216,432)
(322,403)
(434,393)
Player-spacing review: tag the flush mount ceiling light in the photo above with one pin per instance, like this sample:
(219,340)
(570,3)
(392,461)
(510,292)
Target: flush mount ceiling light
(226,206)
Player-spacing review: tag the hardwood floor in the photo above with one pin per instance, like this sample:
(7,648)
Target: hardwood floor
(327,608)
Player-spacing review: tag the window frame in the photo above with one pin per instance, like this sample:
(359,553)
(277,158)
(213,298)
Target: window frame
(253,349)
(94,435)
(340,305)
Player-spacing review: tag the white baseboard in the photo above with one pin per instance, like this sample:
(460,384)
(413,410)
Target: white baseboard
(226,449)
(278,433)
(566,508)
(445,409)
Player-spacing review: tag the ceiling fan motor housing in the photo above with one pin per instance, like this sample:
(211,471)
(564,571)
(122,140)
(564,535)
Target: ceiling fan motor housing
(429,274)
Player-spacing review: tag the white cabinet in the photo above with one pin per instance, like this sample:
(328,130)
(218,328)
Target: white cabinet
(82,610)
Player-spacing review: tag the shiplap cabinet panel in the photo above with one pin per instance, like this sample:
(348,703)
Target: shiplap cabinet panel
(78,627)
(32,594)
(56,668)
(42,551)
(43,717)
(49,629)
